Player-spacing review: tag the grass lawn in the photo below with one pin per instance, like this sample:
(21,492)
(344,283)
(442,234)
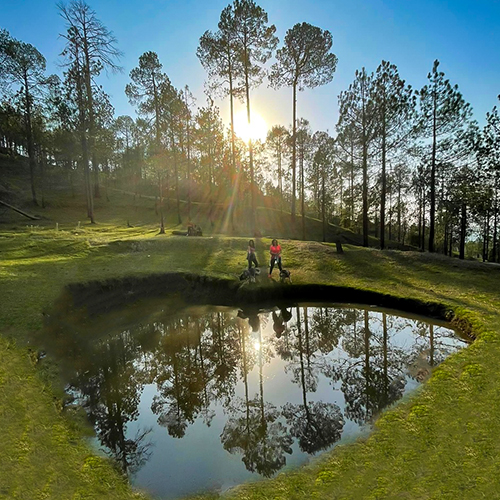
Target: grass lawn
(442,443)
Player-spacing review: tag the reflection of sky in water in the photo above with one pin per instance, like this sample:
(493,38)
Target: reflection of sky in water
(198,461)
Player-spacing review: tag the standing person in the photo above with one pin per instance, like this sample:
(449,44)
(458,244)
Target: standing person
(275,251)
(251,257)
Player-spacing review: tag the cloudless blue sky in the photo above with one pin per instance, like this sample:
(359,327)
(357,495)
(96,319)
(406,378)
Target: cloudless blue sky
(463,34)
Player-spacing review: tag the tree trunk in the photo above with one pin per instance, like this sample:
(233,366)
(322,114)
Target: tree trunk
(423,221)
(365,193)
(399,205)
(294,151)
(188,161)
(42,176)
(95,171)
(352,184)
(85,154)
(157,113)
(365,174)
(106,179)
(420,220)
(280,179)
(176,173)
(250,152)
(463,229)
(445,244)
(235,178)
(71,184)
(88,183)
(384,186)
(323,205)
(302,193)
(432,214)
(495,223)
(391,210)
(486,250)
(90,110)
(160,189)
(29,138)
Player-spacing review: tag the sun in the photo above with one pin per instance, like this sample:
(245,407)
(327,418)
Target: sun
(257,130)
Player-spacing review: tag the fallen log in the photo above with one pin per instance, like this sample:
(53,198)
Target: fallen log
(18,210)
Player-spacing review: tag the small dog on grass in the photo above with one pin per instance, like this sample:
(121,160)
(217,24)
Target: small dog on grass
(285,276)
(250,274)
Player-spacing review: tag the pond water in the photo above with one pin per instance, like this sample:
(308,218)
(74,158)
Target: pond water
(210,397)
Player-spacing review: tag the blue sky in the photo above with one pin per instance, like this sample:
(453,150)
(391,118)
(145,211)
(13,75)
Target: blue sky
(463,35)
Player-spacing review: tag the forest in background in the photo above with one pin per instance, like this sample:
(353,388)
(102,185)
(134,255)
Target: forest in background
(404,164)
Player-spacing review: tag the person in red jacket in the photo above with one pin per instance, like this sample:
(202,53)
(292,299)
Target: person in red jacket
(275,251)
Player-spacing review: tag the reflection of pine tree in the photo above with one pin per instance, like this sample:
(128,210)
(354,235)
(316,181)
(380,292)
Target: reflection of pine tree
(304,372)
(179,379)
(330,325)
(222,346)
(316,425)
(255,432)
(352,342)
(207,413)
(111,385)
(373,380)
(432,346)
(195,365)
(253,429)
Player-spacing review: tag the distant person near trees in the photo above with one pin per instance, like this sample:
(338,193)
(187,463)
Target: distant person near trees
(275,251)
(251,257)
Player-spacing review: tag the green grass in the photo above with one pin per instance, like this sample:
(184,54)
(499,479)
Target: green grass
(442,443)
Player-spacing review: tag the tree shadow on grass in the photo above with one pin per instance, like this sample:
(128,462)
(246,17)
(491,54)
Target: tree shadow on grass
(427,275)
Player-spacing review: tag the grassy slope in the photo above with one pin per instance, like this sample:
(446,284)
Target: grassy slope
(443,443)
(124,209)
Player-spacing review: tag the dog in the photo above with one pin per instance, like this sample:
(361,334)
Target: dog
(250,274)
(285,275)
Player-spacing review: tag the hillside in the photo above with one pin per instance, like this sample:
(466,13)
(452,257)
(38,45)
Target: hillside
(64,205)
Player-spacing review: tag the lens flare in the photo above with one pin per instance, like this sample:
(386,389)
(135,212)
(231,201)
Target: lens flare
(256,130)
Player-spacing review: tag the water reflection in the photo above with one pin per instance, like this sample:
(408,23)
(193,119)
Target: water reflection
(319,424)
(253,428)
(273,387)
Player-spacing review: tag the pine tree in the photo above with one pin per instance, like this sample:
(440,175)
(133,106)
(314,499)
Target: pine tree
(304,61)
(24,65)
(277,139)
(358,119)
(90,48)
(443,117)
(145,90)
(254,42)
(394,107)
